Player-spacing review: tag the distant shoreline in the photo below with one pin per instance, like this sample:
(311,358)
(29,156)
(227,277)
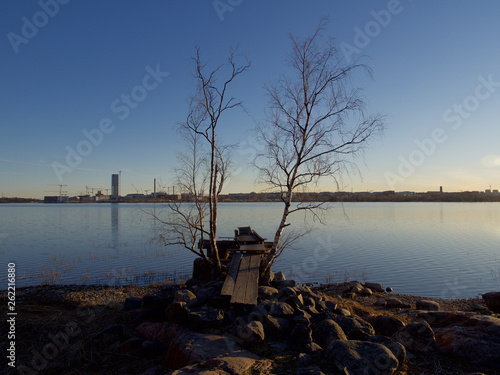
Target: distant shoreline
(386,196)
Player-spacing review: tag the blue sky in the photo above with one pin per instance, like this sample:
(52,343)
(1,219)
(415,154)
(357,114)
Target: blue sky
(436,70)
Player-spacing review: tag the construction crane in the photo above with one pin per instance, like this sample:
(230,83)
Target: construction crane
(61,192)
(136,190)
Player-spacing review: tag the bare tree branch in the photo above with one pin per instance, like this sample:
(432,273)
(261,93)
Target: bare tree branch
(315,121)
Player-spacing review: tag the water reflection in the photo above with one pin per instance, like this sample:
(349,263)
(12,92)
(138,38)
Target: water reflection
(115,226)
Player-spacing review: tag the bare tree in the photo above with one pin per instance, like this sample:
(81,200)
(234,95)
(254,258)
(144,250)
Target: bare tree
(203,171)
(316,123)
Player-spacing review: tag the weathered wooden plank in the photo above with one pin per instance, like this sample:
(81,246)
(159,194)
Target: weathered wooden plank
(232,273)
(247,283)
(253,280)
(241,281)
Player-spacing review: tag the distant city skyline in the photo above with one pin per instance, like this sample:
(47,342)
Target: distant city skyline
(92,89)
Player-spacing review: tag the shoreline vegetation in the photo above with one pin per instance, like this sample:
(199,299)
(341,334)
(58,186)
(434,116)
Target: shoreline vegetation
(385,196)
(295,329)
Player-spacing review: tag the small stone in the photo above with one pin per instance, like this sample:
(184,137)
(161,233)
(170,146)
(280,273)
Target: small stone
(388,289)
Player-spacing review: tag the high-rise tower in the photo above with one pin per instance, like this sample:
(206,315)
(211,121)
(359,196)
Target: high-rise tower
(114,185)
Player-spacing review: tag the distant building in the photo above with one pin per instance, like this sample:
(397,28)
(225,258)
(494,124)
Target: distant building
(55,199)
(115,180)
(488,191)
(495,191)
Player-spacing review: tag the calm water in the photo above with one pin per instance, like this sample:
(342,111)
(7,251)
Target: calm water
(448,250)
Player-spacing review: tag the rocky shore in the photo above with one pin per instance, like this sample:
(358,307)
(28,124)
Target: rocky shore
(343,328)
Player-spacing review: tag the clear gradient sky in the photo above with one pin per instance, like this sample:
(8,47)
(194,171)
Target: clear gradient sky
(66,64)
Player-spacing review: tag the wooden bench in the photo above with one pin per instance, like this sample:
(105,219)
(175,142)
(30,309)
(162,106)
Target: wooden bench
(242,281)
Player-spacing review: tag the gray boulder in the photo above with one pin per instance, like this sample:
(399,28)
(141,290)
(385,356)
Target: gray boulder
(177,312)
(185,295)
(417,336)
(326,331)
(189,348)
(375,287)
(427,305)
(277,327)
(395,347)
(301,336)
(354,327)
(385,325)
(205,319)
(361,357)
(492,300)
(267,292)
(252,332)
(395,303)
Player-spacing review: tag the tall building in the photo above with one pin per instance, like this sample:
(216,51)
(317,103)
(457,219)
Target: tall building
(114,185)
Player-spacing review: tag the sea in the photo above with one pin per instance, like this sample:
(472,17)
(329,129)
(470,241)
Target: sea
(444,250)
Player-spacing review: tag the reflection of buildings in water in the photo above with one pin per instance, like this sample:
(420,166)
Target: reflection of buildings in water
(114,225)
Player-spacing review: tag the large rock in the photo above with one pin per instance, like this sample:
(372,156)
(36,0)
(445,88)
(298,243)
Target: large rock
(301,336)
(132,303)
(189,348)
(473,337)
(417,336)
(354,327)
(203,319)
(277,327)
(385,325)
(251,332)
(396,348)
(185,295)
(427,305)
(267,292)
(202,270)
(276,308)
(326,331)
(279,276)
(161,332)
(361,357)
(177,312)
(218,366)
(492,300)
(375,287)
(395,303)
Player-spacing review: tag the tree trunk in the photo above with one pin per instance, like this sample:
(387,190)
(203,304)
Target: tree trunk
(266,266)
